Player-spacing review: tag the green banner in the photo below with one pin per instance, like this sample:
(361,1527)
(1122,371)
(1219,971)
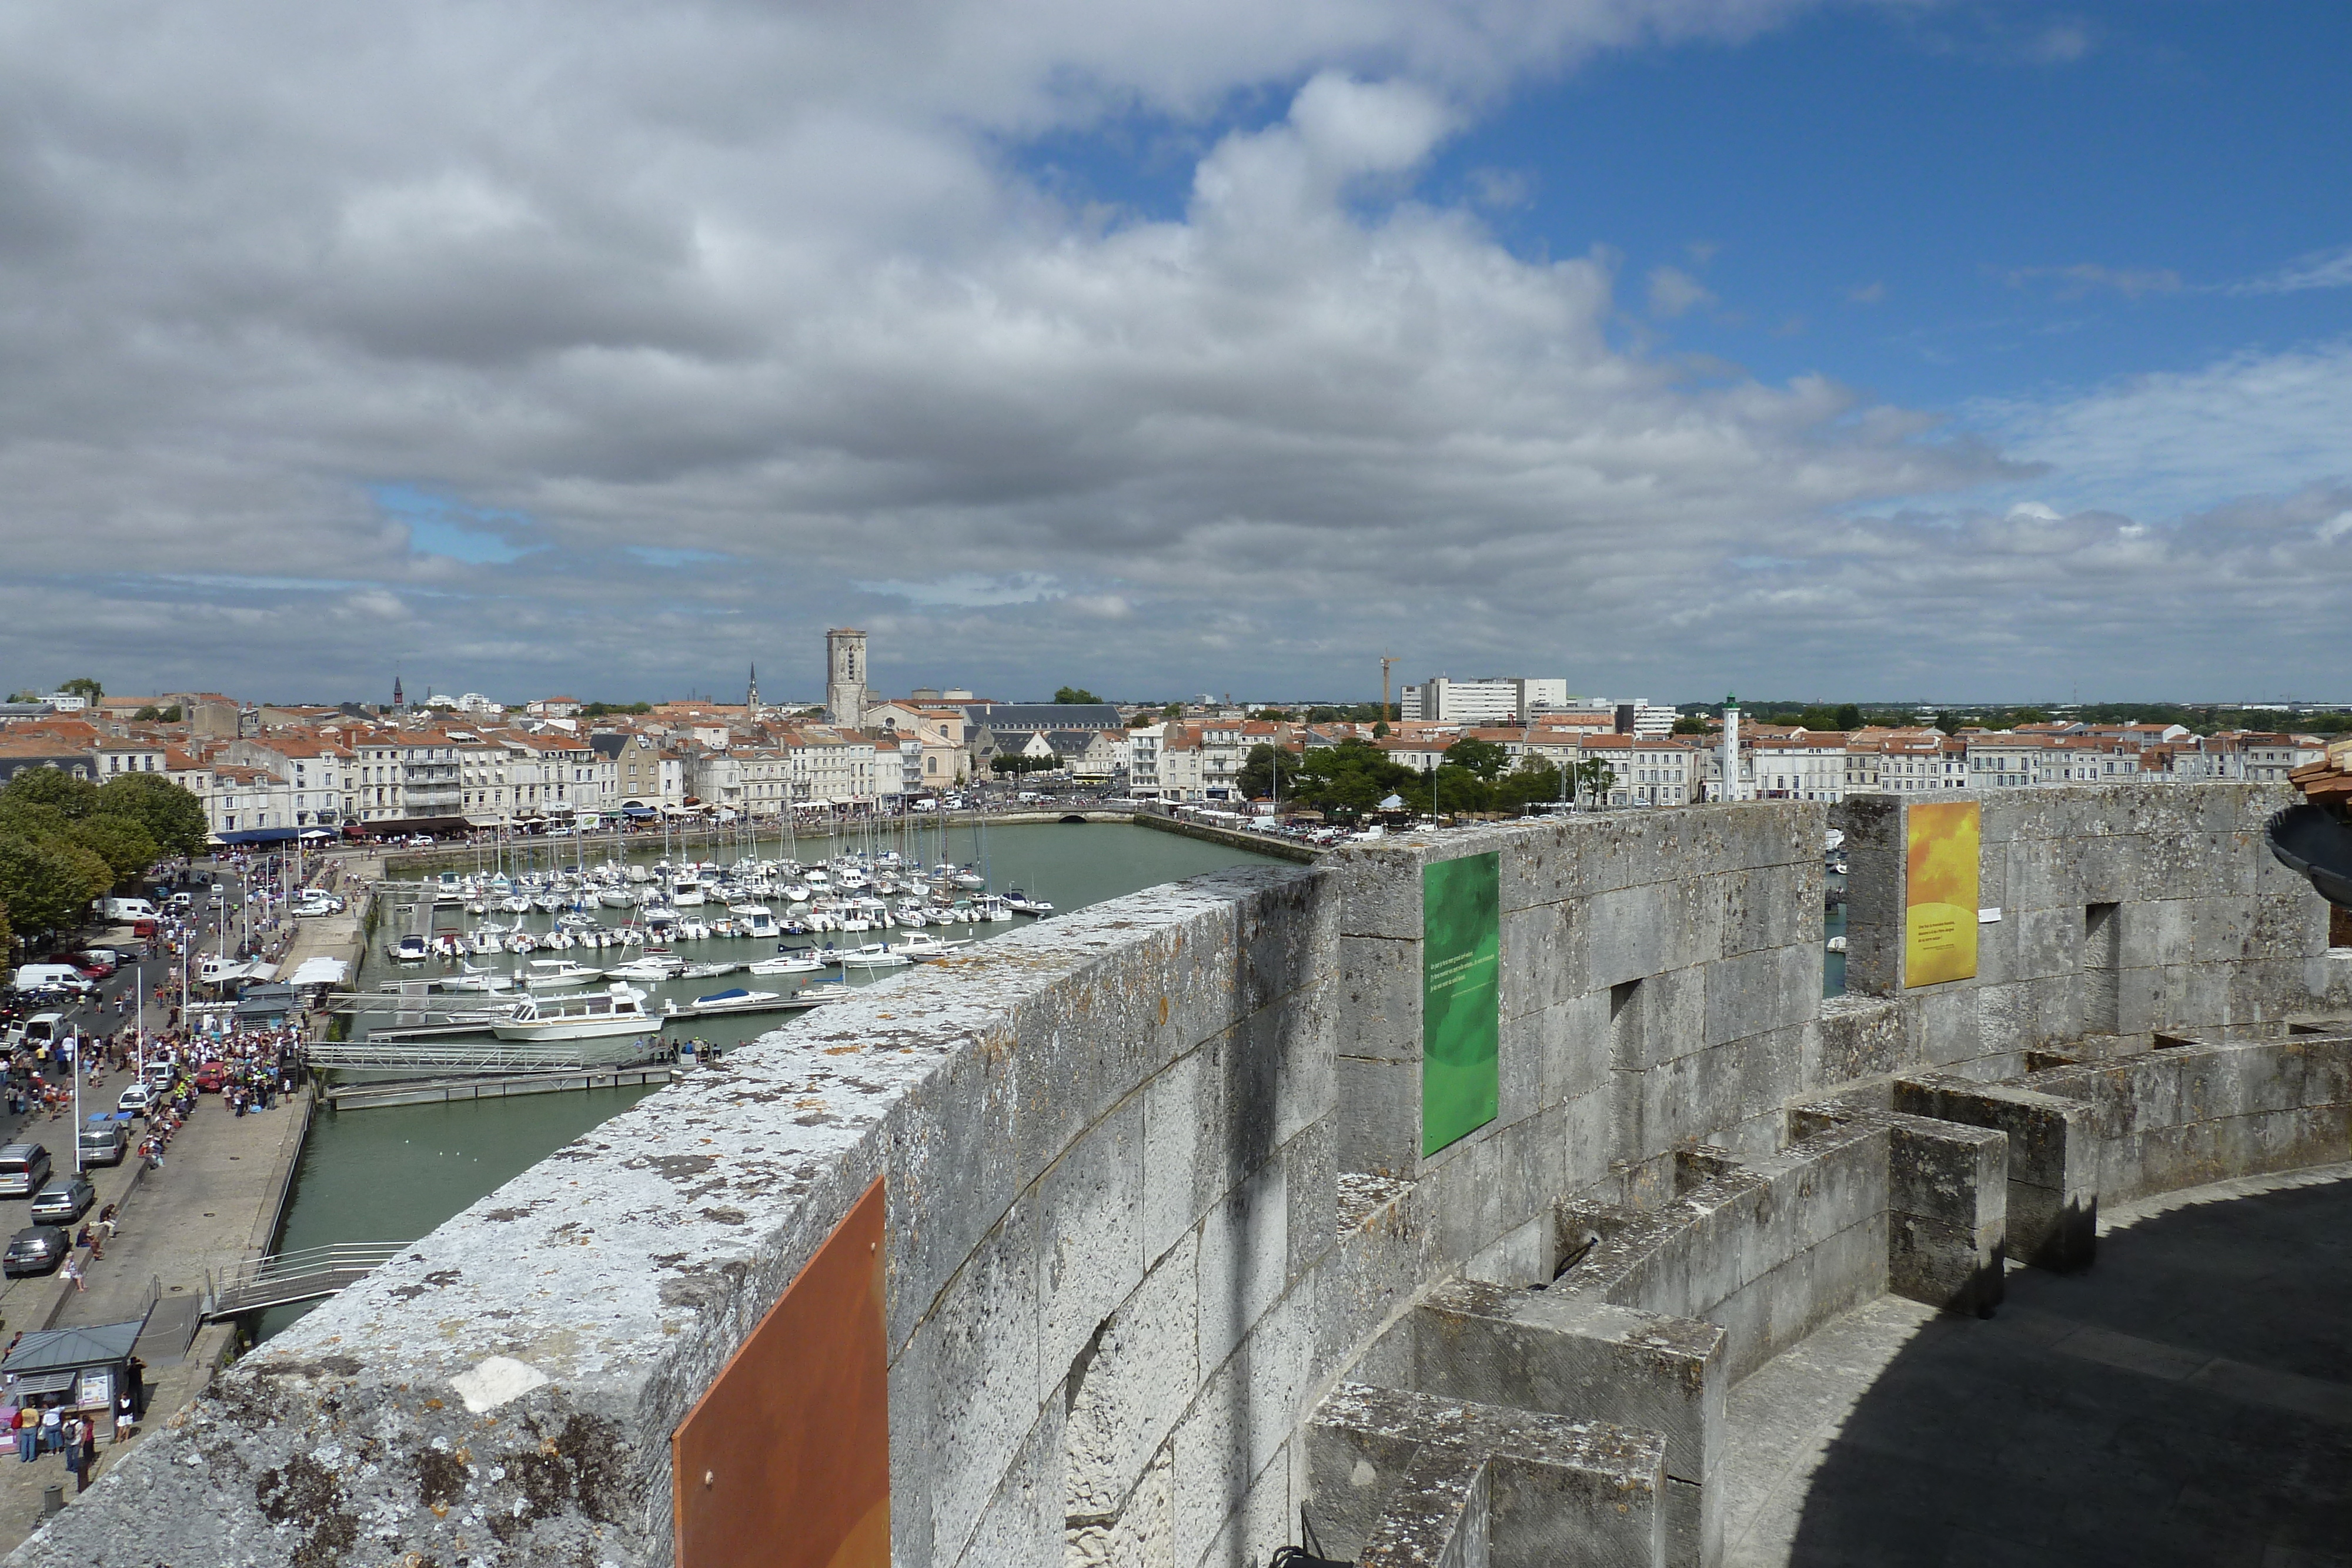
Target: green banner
(1460,1004)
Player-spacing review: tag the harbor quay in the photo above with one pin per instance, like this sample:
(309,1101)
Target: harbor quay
(1434,1202)
(210,1207)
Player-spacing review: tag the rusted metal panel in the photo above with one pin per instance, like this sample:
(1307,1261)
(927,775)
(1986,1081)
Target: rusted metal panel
(785,1461)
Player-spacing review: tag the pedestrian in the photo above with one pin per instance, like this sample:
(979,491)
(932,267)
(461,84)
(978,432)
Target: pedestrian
(28,1427)
(89,1450)
(49,1428)
(69,1434)
(126,1417)
(73,1272)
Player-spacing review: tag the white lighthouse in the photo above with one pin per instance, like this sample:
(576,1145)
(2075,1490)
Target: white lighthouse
(1730,748)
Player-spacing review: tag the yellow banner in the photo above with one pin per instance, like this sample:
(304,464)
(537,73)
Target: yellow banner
(1939,916)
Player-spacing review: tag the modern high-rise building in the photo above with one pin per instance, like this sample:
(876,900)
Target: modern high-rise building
(844,676)
(1495,700)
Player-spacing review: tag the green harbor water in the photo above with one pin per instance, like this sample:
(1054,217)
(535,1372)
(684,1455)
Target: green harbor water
(395,1173)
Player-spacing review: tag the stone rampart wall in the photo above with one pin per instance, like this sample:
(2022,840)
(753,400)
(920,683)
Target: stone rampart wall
(2124,909)
(1156,1189)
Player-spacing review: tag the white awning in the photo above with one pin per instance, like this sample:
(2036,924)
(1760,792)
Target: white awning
(320,972)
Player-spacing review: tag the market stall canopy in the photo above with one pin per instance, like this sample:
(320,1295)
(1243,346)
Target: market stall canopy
(71,1349)
(320,972)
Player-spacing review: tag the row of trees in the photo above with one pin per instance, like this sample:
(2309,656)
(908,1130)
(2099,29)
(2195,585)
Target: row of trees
(64,841)
(1354,777)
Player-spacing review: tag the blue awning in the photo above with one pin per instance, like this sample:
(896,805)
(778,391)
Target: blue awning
(633,810)
(258,836)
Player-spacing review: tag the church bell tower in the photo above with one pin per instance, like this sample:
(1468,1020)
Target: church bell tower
(844,676)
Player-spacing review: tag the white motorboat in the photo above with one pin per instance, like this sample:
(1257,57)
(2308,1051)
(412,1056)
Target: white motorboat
(486,939)
(707,971)
(521,942)
(652,966)
(411,949)
(1020,903)
(989,906)
(558,974)
(758,919)
(737,1000)
(618,1010)
(873,956)
(787,964)
(518,905)
(693,931)
(921,946)
(824,991)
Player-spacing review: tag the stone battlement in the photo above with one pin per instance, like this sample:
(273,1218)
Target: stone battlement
(1432,1204)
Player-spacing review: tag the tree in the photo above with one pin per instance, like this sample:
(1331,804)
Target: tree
(1482,758)
(1690,724)
(1946,722)
(118,840)
(52,787)
(173,818)
(1174,710)
(83,686)
(45,884)
(1014,762)
(1534,779)
(1380,729)
(1075,695)
(1265,767)
(1849,716)
(1351,778)
(1594,779)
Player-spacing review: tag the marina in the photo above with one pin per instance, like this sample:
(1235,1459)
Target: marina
(409,1137)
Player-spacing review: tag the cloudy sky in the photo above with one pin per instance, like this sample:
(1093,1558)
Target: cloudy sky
(1879,349)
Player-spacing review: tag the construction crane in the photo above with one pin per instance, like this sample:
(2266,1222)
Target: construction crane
(1386,660)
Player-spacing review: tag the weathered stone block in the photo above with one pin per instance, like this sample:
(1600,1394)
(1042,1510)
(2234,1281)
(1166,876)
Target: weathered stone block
(1090,1237)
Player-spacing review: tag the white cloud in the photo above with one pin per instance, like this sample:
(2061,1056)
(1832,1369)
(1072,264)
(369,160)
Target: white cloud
(2162,446)
(2321,269)
(1674,291)
(2081,278)
(768,286)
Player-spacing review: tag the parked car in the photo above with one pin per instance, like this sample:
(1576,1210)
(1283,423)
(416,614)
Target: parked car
(36,1250)
(138,1097)
(65,1200)
(24,1167)
(211,1076)
(104,1142)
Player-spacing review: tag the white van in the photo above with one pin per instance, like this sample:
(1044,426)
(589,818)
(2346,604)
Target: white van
(41,1029)
(51,977)
(127,909)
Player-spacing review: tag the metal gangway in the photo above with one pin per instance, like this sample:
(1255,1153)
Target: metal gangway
(486,1053)
(284,1279)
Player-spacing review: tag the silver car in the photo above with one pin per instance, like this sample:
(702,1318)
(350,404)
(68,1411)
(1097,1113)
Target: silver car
(65,1200)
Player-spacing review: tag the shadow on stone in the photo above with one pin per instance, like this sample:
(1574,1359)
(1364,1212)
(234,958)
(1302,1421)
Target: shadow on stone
(2188,1401)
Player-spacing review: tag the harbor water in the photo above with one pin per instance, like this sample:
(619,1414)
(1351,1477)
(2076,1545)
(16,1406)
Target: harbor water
(390,1173)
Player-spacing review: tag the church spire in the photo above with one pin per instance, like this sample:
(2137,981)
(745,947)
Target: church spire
(751,698)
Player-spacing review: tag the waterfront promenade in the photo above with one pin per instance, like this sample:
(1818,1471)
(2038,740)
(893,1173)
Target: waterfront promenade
(211,1204)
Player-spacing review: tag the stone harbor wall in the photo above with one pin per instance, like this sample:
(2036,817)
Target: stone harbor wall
(1188,1238)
